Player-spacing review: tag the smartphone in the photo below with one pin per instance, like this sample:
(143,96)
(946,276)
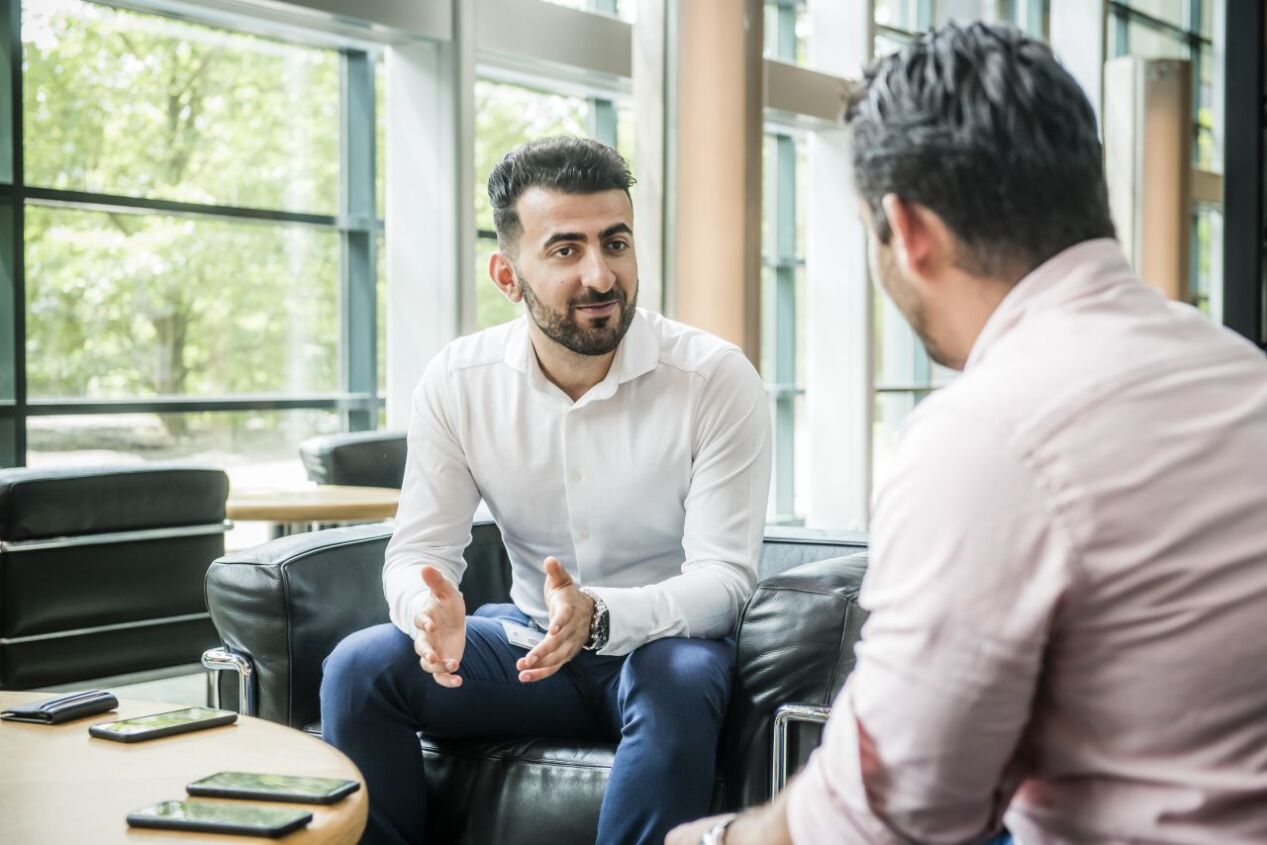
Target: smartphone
(305,790)
(163,724)
(220,817)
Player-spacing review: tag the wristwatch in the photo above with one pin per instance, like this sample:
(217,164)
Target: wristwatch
(716,835)
(600,622)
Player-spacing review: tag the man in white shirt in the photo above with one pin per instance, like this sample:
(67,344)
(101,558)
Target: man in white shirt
(626,460)
(1068,577)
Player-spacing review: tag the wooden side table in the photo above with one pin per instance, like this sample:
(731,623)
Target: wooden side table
(58,784)
(300,509)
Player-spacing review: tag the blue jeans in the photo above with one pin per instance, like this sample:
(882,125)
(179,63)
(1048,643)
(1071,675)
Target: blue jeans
(664,703)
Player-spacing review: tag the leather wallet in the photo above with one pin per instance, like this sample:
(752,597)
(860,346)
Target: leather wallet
(63,708)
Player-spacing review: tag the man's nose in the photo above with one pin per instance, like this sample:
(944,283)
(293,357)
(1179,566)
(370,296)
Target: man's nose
(596,273)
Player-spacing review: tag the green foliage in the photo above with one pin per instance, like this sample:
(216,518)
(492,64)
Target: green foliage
(134,305)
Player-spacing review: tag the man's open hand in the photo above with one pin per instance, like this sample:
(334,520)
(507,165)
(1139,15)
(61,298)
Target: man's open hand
(441,624)
(570,611)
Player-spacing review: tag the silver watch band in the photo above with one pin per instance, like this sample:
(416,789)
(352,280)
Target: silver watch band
(600,622)
(716,835)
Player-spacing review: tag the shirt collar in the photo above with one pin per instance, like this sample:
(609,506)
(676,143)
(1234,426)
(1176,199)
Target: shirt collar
(1080,268)
(638,354)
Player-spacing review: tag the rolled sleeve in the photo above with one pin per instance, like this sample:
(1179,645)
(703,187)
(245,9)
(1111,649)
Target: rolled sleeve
(968,566)
(724,523)
(437,501)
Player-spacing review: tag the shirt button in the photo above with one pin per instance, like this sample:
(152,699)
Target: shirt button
(576,475)
(583,535)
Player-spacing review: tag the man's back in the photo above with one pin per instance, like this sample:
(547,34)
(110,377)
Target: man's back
(1145,429)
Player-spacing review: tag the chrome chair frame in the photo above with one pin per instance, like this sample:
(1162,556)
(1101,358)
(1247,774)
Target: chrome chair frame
(222,659)
(783,717)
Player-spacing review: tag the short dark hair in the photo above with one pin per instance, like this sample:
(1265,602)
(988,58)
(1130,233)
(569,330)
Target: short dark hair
(983,126)
(562,163)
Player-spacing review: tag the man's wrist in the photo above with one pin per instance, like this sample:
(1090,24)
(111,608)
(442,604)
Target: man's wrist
(600,622)
(716,835)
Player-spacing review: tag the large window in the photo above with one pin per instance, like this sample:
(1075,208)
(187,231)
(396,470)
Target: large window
(783,313)
(783,319)
(198,270)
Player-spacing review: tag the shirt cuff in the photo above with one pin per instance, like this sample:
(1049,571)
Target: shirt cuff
(412,609)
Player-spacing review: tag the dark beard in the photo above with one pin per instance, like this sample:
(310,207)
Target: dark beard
(563,329)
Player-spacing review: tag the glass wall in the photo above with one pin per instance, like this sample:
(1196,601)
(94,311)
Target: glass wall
(1183,29)
(199,259)
(783,318)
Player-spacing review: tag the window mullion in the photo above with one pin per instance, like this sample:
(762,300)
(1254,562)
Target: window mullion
(358,265)
(12,257)
(784,224)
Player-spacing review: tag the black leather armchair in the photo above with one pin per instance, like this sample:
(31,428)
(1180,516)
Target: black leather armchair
(358,458)
(102,569)
(282,607)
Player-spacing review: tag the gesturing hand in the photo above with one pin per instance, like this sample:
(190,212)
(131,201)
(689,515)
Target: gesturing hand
(570,611)
(441,624)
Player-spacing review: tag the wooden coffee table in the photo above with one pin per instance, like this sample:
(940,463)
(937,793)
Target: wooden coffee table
(60,785)
(299,509)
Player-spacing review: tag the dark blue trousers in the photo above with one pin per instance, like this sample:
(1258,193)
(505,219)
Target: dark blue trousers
(664,703)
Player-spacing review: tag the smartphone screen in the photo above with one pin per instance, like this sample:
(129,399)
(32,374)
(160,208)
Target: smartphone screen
(217,816)
(276,787)
(162,724)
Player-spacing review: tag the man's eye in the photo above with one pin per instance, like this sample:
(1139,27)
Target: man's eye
(617,246)
(565,252)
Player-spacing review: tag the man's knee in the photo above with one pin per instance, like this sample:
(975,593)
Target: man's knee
(361,659)
(682,672)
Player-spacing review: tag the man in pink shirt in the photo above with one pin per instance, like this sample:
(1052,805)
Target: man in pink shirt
(1068,582)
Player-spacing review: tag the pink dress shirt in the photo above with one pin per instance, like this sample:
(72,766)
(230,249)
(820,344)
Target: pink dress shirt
(1068,587)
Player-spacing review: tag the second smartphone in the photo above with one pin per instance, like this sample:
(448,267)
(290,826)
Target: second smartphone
(263,787)
(163,724)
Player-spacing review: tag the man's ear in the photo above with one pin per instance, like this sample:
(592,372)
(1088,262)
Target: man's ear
(502,272)
(921,242)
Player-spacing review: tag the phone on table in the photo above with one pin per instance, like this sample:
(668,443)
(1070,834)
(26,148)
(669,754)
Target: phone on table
(304,790)
(163,724)
(220,817)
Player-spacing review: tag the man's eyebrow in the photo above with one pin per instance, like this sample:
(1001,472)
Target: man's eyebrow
(562,236)
(614,229)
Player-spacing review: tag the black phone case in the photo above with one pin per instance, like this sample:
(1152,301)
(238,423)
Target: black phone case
(289,798)
(169,730)
(218,827)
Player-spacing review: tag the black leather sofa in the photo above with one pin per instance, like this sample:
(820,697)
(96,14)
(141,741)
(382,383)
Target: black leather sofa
(282,607)
(358,458)
(102,570)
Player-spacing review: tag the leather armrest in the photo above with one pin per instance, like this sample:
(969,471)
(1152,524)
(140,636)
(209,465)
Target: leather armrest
(794,646)
(286,604)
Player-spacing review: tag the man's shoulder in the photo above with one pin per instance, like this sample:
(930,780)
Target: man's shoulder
(479,349)
(687,348)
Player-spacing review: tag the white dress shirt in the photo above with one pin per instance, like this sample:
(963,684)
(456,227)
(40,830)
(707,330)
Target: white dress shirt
(1068,587)
(650,489)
